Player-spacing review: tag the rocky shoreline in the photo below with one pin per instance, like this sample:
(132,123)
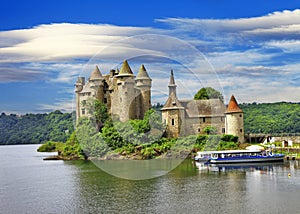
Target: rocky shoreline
(118,156)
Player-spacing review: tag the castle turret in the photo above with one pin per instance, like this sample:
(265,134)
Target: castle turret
(234,124)
(123,103)
(173,112)
(143,82)
(78,88)
(96,84)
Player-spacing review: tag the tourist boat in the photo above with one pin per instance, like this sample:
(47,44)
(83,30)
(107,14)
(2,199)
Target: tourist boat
(203,156)
(238,156)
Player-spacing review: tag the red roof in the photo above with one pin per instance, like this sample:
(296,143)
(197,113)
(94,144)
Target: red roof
(233,107)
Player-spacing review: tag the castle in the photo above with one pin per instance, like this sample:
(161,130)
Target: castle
(129,97)
(186,117)
(126,96)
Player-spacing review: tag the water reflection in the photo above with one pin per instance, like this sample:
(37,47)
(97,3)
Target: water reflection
(31,185)
(288,166)
(204,167)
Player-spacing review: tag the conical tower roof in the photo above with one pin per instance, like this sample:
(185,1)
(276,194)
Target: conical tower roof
(142,74)
(233,107)
(96,74)
(125,69)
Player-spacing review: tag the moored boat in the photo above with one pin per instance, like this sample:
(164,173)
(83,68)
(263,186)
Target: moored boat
(239,156)
(203,156)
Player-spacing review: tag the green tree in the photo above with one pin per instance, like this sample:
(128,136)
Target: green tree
(208,93)
(72,149)
(210,130)
(97,110)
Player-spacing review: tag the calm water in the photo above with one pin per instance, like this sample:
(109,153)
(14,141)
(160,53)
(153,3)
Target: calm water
(30,185)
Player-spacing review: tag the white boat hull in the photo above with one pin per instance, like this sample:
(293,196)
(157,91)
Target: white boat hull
(247,160)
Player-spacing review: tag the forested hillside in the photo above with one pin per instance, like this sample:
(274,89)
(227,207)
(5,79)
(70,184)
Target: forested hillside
(271,117)
(56,126)
(35,128)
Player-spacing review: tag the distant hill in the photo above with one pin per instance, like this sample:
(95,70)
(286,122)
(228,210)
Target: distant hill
(268,118)
(35,128)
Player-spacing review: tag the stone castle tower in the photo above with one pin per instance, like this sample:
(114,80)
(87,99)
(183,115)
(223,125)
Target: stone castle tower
(235,119)
(126,96)
(173,113)
(187,117)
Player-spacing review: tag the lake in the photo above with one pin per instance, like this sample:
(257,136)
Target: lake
(30,185)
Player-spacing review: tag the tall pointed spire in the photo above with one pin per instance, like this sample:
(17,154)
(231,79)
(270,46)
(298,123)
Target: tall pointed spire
(172,86)
(233,106)
(125,69)
(172,81)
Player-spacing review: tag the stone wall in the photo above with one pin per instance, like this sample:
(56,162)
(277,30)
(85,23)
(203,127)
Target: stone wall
(294,139)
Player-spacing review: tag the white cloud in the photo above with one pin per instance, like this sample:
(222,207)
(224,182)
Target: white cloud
(66,41)
(249,57)
(62,105)
(8,74)
(289,46)
(216,26)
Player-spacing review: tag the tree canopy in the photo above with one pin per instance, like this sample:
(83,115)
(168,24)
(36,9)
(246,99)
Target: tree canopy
(271,118)
(208,93)
(35,128)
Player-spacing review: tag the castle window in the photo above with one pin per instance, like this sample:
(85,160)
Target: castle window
(83,111)
(173,122)
(240,115)
(199,129)
(223,130)
(241,130)
(221,119)
(105,100)
(203,119)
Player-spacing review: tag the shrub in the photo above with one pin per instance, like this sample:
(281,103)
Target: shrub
(51,146)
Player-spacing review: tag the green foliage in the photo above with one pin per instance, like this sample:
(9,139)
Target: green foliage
(227,145)
(90,139)
(157,106)
(216,142)
(136,132)
(35,128)
(208,93)
(51,146)
(97,110)
(212,142)
(112,137)
(210,130)
(229,138)
(271,117)
(72,149)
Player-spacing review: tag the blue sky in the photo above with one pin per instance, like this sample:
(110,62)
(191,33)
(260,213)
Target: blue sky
(247,48)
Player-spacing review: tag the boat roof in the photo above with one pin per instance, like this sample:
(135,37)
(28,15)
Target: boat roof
(230,151)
